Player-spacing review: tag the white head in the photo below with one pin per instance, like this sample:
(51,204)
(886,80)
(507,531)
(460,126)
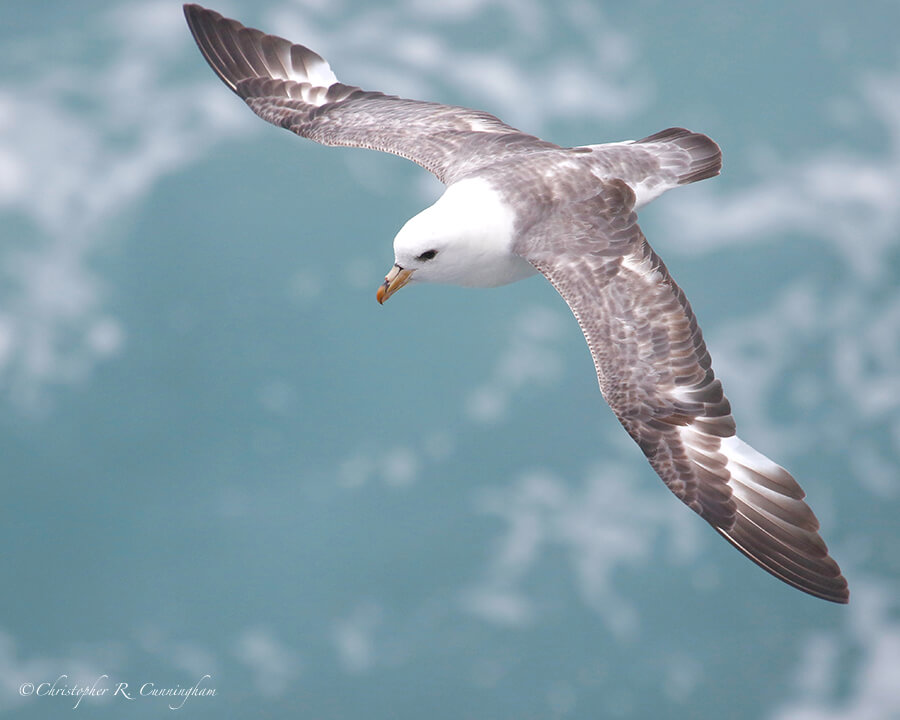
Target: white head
(465,238)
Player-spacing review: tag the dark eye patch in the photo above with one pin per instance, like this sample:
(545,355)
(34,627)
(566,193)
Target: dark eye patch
(427,255)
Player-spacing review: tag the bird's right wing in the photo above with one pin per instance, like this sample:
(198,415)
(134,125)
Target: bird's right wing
(291,86)
(656,374)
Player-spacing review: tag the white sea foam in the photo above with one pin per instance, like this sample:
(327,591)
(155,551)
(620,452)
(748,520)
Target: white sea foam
(529,359)
(273,665)
(848,198)
(81,143)
(354,637)
(863,656)
(607,524)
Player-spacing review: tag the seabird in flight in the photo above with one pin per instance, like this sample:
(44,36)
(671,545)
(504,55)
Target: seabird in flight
(516,205)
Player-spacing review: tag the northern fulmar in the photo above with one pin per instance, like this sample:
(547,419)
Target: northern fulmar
(516,205)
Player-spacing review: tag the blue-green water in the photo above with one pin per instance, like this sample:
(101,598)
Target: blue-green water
(222,458)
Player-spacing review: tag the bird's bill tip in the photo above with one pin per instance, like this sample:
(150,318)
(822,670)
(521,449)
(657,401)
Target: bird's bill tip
(393,281)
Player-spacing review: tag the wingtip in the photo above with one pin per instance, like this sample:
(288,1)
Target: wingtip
(768,522)
(250,61)
(193,10)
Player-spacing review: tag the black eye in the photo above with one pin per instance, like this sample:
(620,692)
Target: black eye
(427,255)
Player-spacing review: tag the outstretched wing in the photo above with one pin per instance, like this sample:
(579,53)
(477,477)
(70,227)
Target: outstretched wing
(656,374)
(293,87)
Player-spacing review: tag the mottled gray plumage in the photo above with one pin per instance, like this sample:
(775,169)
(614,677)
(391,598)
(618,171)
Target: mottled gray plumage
(575,222)
(656,374)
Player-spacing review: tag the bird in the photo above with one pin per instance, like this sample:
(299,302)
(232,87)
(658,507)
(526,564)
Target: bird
(516,205)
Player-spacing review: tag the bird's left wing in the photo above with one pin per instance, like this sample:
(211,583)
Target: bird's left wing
(656,374)
(291,86)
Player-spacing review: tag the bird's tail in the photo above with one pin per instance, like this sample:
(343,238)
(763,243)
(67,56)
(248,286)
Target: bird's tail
(692,156)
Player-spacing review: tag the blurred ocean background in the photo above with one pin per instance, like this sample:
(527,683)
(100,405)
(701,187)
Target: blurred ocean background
(221,457)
